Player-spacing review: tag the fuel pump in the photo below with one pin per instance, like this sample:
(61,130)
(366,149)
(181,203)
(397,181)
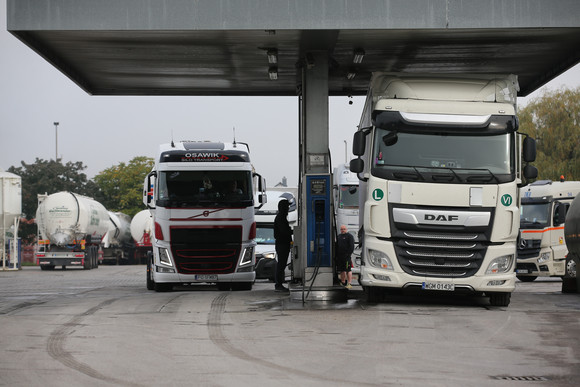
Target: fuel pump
(318,270)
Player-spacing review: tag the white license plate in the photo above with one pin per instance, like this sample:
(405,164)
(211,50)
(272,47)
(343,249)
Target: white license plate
(438,286)
(206,277)
(522,271)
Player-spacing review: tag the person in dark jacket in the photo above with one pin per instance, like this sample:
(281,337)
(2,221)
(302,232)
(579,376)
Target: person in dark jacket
(283,236)
(344,249)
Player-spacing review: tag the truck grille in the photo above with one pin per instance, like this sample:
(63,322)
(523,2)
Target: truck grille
(439,251)
(206,250)
(528,248)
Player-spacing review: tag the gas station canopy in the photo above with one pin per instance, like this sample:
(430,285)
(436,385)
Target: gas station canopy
(257,47)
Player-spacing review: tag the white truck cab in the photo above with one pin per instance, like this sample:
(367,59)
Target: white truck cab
(541,244)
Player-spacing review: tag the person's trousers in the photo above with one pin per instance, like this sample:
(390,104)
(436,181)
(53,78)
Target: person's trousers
(282,251)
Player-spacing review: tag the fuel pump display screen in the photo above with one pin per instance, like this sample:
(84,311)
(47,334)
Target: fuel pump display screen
(318,186)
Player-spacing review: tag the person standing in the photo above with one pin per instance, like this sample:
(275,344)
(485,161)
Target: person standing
(344,249)
(283,236)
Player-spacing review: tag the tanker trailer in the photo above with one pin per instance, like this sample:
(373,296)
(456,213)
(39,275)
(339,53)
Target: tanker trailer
(117,242)
(570,281)
(141,227)
(71,228)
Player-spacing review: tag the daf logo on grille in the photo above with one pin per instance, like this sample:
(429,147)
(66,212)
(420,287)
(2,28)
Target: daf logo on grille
(523,244)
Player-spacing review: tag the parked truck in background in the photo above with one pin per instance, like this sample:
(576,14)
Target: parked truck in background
(141,232)
(71,229)
(541,246)
(201,196)
(346,206)
(117,245)
(439,163)
(266,258)
(571,281)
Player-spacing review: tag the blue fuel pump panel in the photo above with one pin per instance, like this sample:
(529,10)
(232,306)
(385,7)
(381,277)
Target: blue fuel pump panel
(318,220)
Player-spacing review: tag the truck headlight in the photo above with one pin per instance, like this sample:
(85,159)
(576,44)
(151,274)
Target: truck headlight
(164,256)
(500,265)
(246,260)
(379,259)
(544,257)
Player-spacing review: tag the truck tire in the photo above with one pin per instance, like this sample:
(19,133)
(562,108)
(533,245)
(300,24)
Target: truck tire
(569,283)
(150,280)
(374,294)
(526,278)
(499,299)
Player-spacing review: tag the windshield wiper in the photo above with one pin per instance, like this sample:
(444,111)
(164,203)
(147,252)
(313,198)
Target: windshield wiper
(416,176)
(482,178)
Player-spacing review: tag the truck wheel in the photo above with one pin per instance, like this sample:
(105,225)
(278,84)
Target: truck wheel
(499,299)
(374,294)
(527,278)
(569,285)
(150,280)
(162,287)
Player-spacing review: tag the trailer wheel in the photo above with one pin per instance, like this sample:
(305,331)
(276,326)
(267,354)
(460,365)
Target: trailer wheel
(569,284)
(499,299)
(150,280)
(526,278)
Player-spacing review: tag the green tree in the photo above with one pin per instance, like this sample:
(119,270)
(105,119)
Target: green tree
(44,176)
(553,119)
(122,185)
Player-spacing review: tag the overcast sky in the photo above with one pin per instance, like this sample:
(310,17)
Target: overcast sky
(103,131)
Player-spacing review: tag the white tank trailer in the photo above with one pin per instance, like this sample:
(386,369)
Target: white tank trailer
(71,228)
(10,212)
(141,229)
(118,243)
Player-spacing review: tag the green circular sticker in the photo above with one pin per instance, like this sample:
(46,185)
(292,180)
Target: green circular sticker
(506,200)
(378,194)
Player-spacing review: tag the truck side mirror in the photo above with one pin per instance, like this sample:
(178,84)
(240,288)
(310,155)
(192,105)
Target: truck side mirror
(359,143)
(559,214)
(529,151)
(148,190)
(530,172)
(356,165)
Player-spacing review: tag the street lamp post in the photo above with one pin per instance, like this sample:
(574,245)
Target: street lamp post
(56,141)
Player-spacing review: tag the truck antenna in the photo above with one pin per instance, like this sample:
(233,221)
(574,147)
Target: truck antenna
(172,143)
(234,129)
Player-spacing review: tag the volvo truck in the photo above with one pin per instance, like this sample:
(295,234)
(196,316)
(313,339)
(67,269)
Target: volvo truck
(542,247)
(439,164)
(201,197)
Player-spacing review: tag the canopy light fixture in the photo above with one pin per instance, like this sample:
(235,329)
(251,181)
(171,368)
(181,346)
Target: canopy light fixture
(359,54)
(350,75)
(272,56)
(273,73)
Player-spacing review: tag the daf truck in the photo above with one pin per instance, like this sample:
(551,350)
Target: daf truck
(71,228)
(541,246)
(201,197)
(439,164)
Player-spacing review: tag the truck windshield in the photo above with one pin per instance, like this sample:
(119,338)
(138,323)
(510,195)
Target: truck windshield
(535,215)
(205,188)
(443,158)
(348,196)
